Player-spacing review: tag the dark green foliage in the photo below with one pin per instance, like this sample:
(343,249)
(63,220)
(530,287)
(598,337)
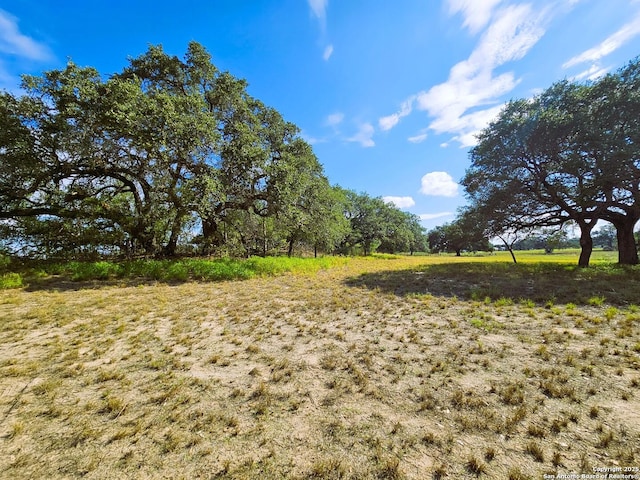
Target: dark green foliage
(463,234)
(169,156)
(376,225)
(567,155)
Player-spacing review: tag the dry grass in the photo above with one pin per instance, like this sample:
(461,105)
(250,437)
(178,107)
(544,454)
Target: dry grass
(324,375)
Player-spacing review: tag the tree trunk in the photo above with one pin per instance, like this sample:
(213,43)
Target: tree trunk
(627,250)
(209,234)
(586,245)
(264,237)
(458,253)
(170,248)
(510,248)
(290,252)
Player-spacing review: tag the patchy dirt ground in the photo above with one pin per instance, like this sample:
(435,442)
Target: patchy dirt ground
(317,376)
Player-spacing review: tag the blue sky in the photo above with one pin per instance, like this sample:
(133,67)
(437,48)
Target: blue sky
(390,94)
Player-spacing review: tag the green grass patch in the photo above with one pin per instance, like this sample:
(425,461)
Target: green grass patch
(567,255)
(269,266)
(178,270)
(10,280)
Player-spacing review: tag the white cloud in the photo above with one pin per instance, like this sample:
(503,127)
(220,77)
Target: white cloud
(400,202)
(592,73)
(432,216)
(310,139)
(609,45)
(439,184)
(390,121)
(476,13)
(364,136)
(319,9)
(335,119)
(13,42)
(512,32)
(418,138)
(472,123)
(327,52)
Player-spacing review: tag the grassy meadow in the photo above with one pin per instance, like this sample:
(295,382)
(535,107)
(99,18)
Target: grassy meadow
(383,367)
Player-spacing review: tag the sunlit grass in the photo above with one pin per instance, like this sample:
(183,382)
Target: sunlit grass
(178,270)
(569,255)
(10,280)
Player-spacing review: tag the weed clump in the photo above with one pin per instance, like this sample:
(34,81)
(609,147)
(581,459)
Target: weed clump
(10,280)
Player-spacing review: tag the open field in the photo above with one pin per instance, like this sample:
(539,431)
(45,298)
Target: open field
(422,367)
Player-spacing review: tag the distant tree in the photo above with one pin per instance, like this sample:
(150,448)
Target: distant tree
(461,234)
(398,235)
(329,226)
(377,225)
(418,239)
(489,221)
(606,237)
(552,239)
(366,217)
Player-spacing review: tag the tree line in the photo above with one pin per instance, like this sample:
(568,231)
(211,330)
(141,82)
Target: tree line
(568,156)
(167,157)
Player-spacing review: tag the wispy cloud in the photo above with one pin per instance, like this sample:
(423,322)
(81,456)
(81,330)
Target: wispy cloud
(432,216)
(609,45)
(476,13)
(512,32)
(364,136)
(439,184)
(13,42)
(16,44)
(328,51)
(400,202)
(319,10)
(473,93)
(310,139)
(418,138)
(390,121)
(335,119)
(593,72)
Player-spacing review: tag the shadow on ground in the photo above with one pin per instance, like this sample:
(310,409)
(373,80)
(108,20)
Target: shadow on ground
(56,283)
(539,283)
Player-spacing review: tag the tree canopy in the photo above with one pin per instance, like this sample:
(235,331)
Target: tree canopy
(462,234)
(170,156)
(569,154)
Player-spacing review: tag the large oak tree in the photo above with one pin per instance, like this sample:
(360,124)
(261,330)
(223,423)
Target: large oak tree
(143,160)
(569,154)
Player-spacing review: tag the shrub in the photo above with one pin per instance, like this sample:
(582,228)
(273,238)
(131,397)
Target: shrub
(81,271)
(10,280)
